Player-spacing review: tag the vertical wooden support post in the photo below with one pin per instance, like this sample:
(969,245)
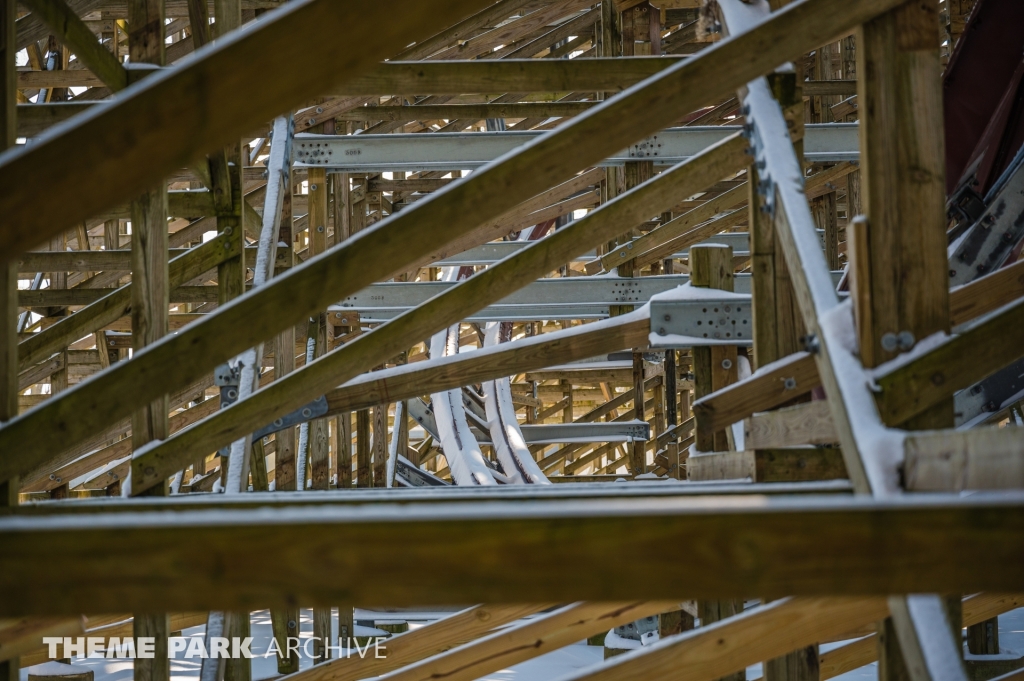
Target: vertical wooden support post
(638,451)
(284,357)
(901,288)
(777,322)
(380,444)
(149,305)
(343,445)
(285,624)
(713,367)
(567,392)
(903,183)
(319,458)
(827,220)
(983,638)
(8,270)
(364,475)
(317,220)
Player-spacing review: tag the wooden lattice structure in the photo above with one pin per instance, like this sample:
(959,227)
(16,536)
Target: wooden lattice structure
(704,249)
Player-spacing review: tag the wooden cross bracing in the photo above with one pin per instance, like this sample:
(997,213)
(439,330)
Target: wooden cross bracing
(110,368)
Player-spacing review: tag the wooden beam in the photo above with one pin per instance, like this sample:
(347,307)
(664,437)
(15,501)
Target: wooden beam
(389,247)
(810,546)
(768,465)
(490,16)
(417,644)
(428,112)
(953,461)
(732,644)
(8,271)
(754,394)
(176,116)
(986,294)
(772,387)
(447,373)
(117,304)
(72,32)
(918,385)
(864,651)
(527,640)
(809,423)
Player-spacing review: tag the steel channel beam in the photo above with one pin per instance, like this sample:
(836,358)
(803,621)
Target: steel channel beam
(828,142)
(558,298)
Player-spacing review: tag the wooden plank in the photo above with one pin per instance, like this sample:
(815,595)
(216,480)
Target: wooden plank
(770,387)
(675,228)
(401,383)
(953,461)
(180,114)
(24,635)
(428,112)
(810,546)
(537,636)
(976,609)
(798,464)
(986,294)
(489,16)
(388,247)
(9,383)
(809,423)
(602,74)
(732,644)
(918,385)
(420,643)
(117,304)
(72,32)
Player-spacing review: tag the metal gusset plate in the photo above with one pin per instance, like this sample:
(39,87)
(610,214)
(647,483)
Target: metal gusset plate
(988,243)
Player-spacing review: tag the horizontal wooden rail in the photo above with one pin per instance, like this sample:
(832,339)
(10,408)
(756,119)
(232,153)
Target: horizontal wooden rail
(807,546)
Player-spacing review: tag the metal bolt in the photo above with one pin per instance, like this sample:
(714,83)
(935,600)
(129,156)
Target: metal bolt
(149,470)
(228,231)
(789,383)
(320,228)
(938,378)
(890,342)
(668,318)
(661,331)
(312,187)
(307,412)
(727,364)
(319,109)
(906,340)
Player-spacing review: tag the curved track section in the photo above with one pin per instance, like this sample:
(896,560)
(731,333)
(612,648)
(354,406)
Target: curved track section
(509,444)
(465,460)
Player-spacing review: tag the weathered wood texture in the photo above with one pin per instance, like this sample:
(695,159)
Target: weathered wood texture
(808,547)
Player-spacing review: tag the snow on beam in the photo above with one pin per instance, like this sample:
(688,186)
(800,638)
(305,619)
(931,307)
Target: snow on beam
(717,547)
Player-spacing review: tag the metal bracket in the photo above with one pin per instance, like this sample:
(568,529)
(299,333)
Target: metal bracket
(702,322)
(645,148)
(227,376)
